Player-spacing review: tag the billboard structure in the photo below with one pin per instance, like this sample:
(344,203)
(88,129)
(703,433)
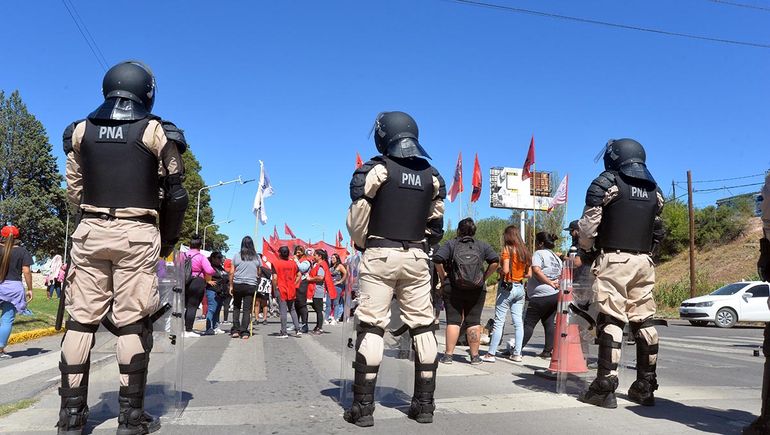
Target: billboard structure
(507,190)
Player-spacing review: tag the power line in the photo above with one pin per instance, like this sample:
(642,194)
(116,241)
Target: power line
(101,55)
(724,179)
(741,5)
(93,47)
(608,24)
(726,188)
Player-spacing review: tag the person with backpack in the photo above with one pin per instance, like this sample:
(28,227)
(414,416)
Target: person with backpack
(243,286)
(515,262)
(460,266)
(15,262)
(543,291)
(216,294)
(198,271)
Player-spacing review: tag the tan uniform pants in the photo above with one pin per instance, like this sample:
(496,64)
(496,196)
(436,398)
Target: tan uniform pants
(623,290)
(113,263)
(387,271)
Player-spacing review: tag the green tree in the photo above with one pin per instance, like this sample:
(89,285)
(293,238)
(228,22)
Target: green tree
(31,196)
(676,224)
(193,182)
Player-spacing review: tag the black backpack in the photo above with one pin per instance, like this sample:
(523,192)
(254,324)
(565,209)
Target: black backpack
(188,275)
(467,265)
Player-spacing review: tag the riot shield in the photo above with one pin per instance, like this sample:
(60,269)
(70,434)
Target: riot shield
(396,374)
(163,393)
(575,348)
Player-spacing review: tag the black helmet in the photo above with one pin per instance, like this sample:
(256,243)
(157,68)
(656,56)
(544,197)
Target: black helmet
(132,80)
(627,156)
(395,135)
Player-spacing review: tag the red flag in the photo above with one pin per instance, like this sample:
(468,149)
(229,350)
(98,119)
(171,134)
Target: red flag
(359,162)
(339,238)
(561,194)
(288,231)
(269,251)
(476,181)
(274,238)
(457,181)
(525,174)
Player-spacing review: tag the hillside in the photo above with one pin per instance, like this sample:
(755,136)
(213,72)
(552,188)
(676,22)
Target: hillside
(714,266)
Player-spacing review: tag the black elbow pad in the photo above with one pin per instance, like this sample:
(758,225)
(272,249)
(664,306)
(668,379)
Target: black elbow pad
(435,231)
(172,211)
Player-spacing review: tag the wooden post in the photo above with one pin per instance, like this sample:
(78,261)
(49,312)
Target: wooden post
(673,189)
(692,234)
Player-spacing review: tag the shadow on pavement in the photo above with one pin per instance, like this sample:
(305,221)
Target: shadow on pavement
(384,396)
(158,402)
(704,419)
(32,351)
(532,382)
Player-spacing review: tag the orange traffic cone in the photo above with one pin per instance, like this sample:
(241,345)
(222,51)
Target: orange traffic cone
(567,355)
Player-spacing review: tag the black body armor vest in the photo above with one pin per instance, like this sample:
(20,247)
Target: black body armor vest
(627,222)
(401,208)
(118,170)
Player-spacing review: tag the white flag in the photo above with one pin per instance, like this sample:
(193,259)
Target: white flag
(264,191)
(561,194)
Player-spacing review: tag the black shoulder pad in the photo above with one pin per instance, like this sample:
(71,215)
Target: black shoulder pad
(175,134)
(599,188)
(358,182)
(67,136)
(441,184)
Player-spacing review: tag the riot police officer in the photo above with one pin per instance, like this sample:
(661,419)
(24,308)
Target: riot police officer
(761,425)
(620,227)
(124,174)
(396,214)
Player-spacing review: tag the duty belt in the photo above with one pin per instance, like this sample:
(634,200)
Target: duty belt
(387,243)
(147,219)
(626,251)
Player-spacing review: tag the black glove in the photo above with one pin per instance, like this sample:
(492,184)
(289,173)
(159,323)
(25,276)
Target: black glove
(165,250)
(763,264)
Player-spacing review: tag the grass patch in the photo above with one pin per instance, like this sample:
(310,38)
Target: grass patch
(44,309)
(10,408)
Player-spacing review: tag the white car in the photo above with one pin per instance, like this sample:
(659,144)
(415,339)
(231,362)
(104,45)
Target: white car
(745,301)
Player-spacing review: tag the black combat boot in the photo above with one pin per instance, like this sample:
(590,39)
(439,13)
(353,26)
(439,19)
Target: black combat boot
(361,412)
(642,389)
(601,392)
(761,426)
(422,407)
(133,420)
(73,414)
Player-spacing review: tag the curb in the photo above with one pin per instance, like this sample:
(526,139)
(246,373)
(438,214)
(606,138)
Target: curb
(21,337)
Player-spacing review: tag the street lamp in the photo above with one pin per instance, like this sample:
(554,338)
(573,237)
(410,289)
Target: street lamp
(323,233)
(211,225)
(221,183)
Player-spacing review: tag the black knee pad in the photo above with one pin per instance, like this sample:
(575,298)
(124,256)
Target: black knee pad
(644,350)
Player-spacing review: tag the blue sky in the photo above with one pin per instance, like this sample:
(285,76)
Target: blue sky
(298,84)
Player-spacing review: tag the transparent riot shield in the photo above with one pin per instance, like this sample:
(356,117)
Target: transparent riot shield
(164,382)
(396,374)
(163,392)
(575,348)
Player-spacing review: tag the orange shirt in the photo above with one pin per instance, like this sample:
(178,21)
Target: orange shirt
(518,268)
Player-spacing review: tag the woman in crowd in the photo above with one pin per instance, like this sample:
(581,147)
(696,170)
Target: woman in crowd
(321,284)
(216,293)
(243,286)
(195,292)
(286,278)
(515,261)
(14,264)
(464,305)
(303,264)
(227,302)
(335,307)
(543,290)
(51,282)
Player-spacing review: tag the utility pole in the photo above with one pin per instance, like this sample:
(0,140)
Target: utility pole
(673,188)
(692,234)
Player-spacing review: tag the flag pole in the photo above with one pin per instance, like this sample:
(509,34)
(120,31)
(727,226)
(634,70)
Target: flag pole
(534,213)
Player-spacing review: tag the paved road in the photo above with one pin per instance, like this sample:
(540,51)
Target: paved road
(709,383)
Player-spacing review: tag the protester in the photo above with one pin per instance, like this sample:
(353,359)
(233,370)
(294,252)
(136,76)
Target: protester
(464,285)
(322,286)
(336,306)
(543,290)
(515,262)
(14,264)
(243,287)
(264,288)
(286,278)
(52,284)
(303,264)
(194,293)
(227,302)
(216,293)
